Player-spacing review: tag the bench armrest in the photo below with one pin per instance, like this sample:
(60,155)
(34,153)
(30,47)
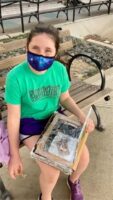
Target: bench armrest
(97,63)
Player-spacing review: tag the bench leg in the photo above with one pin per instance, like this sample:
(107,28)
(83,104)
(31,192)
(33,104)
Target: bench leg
(87,7)
(2,187)
(2,26)
(35,15)
(4,194)
(99,125)
(66,13)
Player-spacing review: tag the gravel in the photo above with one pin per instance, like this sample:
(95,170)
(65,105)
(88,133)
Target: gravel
(103,54)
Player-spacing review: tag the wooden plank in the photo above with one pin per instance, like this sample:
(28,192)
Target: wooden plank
(20,43)
(9,46)
(83,92)
(2,48)
(77,85)
(91,100)
(88,88)
(2,82)
(64,58)
(65,46)
(64,33)
(87,102)
(95,98)
(11,61)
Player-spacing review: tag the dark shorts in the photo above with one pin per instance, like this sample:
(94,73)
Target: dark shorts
(30,126)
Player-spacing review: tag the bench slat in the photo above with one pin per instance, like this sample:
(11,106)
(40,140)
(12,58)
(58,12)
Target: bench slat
(21,43)
(84,94)
(83,91)
(11,61)
(78,88)
(91,100)
(64,59)
(64,33)
(9,46)
(65,46)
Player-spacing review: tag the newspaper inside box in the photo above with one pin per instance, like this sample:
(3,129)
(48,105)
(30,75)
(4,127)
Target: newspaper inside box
(58,145)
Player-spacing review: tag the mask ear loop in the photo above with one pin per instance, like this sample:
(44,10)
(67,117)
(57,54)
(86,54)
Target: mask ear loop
(57,57)
(26,48)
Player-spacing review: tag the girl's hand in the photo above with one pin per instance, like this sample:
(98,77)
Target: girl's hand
(90,126)
(15,167)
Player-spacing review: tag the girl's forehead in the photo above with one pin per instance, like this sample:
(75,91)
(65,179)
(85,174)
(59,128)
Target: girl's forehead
(43,36)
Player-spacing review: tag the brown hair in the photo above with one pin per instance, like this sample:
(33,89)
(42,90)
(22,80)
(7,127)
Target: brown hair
(44,28)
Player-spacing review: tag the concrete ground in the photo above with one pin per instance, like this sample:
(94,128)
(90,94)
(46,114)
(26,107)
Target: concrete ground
(96,25)
(97,181)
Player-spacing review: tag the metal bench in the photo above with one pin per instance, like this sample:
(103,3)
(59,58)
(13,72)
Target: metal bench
(12,9)
(83,93)
(88,4)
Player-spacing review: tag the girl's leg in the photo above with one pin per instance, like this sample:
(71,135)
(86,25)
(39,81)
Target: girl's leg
(48,175)
(48,179)
(83,163)
(73,182)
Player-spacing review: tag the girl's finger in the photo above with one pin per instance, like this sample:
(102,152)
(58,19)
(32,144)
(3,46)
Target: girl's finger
(12,174)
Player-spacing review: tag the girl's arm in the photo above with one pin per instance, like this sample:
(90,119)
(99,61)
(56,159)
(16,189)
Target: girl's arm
(68,103)
(13,123)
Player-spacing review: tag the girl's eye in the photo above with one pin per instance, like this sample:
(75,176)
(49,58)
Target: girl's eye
(48,50)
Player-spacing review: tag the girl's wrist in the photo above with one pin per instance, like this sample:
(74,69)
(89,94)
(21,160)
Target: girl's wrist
(82,119)
(15,155)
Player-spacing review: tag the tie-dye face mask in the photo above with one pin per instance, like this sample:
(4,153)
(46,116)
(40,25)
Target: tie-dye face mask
(39,62)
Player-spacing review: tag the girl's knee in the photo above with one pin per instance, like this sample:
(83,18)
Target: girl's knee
(49,172)
(52,173)
(51,179)
(50,176)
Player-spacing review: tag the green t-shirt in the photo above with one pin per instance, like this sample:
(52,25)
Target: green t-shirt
(38,94)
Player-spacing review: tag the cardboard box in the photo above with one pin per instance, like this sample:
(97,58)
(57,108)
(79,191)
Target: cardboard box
(61,144)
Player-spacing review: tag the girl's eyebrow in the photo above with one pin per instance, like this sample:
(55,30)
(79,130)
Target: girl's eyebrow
(35,46)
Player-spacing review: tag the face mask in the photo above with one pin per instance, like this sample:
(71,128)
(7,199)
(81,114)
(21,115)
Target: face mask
(39,62)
